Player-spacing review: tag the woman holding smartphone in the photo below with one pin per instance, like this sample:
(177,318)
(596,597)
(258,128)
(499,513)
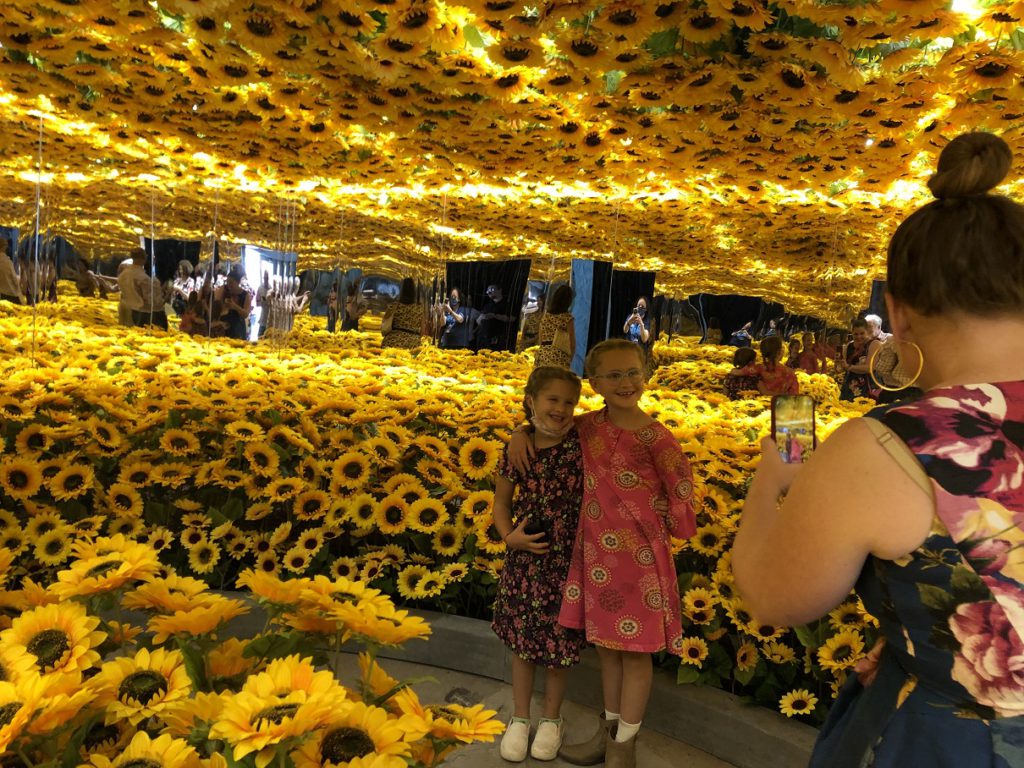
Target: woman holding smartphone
(929,528)
(638,326)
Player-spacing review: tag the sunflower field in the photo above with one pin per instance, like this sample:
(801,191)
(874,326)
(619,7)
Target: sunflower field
(80,688)
(329,458)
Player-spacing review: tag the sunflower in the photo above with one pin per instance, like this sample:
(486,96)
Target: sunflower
(427,515)
(447,540)
(54,547)
(798,702)
(746,657)
(108,564)
(178,442)
(20,478)
(144,686)
(847,616)
(137,473)
(358,732)
(391,514)
(311,505)
(200,619)
(487,535)
(43,522)
(105,433)
(160,752)
(297,559)
(244,430)
(284,489)
(478,458)
(187,714)
(262,458)
(71,482)
(778,653)
(60,638)
(129,527)
(450,721)
(478,503)
(125,500)
(708,540)
(259,724)
(693,651)
(16,708)
(431,585)
(381,450)
(841,651)
(409,579)
(204,556)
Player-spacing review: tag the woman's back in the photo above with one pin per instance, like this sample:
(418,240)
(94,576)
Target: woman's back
(951,688)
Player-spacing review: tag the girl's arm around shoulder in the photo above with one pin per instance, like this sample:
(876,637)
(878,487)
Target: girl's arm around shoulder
(797,560)
(677,479)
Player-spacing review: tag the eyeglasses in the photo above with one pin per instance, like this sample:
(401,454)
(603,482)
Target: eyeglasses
(616,377)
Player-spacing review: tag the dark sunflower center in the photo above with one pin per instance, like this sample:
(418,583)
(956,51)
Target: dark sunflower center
(447,539)
(399,46)
(842,653)
(624,18)
(99,735)
(793,79)
(350,19)
(992,69)
(709,540)
(478,457)
(53,547)
(259,26)
(123,500)
(429,516)
(508,81)
(353,470)
(48,646)
(393,515)
(311,543)
(18,479)
(8,711)
(584,48)
(274,714)
(799,704)
(516,54)
(415,19)
(204,555)
(704,21)
(103,568)
(444,713)
(73,482)
(143,686)
(206,24)
(141,762)
(36,441)
(310,506)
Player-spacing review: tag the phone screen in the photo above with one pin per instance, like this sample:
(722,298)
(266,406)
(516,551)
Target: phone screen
(793,427)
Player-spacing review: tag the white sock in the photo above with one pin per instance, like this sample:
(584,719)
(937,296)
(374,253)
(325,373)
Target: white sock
(626,731)
(611,716)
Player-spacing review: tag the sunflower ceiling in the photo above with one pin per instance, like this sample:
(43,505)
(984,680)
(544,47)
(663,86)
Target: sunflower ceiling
(730,145)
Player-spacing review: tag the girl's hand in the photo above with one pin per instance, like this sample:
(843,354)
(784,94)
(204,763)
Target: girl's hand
(773,469)
(521,451)
(518,538)
(867,668)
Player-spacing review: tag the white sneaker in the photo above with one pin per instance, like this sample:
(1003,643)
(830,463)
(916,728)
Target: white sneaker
(515,741)
(548,740)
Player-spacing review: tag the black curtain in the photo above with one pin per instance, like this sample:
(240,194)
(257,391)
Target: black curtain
(877,305)
(599,303)
(626,288)
(167,253)
(473,277)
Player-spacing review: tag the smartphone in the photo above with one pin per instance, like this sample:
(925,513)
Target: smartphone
(793,427)
(535,526)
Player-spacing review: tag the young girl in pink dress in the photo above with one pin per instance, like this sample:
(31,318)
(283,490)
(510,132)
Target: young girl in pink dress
(621,588)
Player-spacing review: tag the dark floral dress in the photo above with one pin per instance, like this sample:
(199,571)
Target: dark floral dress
(950,686)
(530,591)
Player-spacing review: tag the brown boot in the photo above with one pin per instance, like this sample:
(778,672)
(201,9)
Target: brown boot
(620,754)
(591,751)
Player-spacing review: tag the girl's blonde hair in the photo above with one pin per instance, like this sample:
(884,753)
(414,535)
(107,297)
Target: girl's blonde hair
(544,375)
(610,345)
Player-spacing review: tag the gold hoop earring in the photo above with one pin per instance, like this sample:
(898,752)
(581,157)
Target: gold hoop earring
(891,364)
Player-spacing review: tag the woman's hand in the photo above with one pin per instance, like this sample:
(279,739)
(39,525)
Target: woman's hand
(521,451)
(518,538)
(776,472)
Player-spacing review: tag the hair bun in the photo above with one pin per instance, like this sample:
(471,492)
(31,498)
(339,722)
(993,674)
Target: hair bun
(971,165)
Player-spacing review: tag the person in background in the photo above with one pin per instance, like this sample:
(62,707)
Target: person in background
(637,327)
(557,324)
(742,337)
(332,308)
(354,308)
(457,333)
(235,306)
(744,376)
(10,285)
(404,322)
(530,333)
(193,317)
(793,353)
(495,321)
(774,378)
(771,330)
(857,380)
(142,295)
(875,328)
(182,286)
(263,295)
(929,524)
(810,359)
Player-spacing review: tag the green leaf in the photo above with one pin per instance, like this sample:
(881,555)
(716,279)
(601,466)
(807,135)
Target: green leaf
(473,36)
(743,677)
(663,43)
(937,599)
(272,646)
(233,509)
(195,665)
(687,674)
(809,636)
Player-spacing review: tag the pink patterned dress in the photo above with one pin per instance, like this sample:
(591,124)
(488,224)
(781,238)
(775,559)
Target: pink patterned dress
(621,588)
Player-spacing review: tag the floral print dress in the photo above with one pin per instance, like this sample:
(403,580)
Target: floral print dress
(622,587)
(530,588)
(547,353)
(950,686)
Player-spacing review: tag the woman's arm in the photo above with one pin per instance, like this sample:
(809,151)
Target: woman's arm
(797,559)
(514,537)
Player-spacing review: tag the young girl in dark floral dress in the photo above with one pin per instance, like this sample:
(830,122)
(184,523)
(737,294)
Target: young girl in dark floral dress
(539,525)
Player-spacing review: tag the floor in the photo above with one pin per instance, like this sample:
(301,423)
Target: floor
(653,749)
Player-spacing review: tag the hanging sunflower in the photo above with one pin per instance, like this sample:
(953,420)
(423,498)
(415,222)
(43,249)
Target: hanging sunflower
(702,27)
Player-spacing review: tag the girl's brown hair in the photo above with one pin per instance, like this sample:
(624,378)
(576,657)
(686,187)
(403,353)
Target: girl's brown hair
(771,350)
(610,345)
(965,250)
(544,375)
